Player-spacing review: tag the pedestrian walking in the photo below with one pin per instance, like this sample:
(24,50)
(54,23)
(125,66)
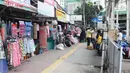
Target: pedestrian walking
(82,35)
(88,36)
(120,37)
(93,38)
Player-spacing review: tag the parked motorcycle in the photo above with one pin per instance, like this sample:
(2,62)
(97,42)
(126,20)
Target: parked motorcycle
(126,49)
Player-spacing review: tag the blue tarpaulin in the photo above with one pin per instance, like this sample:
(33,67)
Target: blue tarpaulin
(3,66)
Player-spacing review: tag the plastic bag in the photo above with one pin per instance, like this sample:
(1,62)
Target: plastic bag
(60,47)
(75,40)
(90,47)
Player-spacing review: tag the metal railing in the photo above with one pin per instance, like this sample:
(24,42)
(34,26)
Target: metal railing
(111,57)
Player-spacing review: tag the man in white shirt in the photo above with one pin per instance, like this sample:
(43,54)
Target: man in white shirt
(120,37)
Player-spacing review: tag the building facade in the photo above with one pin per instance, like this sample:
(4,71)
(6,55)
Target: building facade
(72,6)
(61,3)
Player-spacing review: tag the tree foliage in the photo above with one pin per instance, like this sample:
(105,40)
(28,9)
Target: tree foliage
(91,11)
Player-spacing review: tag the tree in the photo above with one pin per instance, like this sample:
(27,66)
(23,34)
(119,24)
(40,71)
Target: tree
(91,11)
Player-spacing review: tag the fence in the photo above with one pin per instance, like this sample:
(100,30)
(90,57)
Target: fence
(111,57)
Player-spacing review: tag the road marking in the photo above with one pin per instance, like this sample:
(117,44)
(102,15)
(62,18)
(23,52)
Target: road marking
(57,63)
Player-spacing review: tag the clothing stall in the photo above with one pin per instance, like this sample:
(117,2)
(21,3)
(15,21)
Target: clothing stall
(22,35)
(18,33)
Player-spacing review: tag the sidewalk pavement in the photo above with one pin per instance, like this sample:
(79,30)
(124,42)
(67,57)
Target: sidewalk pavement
(38,63)
(81,61)
(76,59)
(126,66)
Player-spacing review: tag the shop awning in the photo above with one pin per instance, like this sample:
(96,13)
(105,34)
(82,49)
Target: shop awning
(18,6)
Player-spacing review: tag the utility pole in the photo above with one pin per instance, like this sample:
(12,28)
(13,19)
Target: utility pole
(113,15)
(83,4)
(128,19)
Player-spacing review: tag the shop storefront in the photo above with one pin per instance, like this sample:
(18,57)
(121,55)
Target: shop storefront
(20,29)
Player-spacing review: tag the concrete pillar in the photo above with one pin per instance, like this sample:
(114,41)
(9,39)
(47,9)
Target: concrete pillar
(113,15)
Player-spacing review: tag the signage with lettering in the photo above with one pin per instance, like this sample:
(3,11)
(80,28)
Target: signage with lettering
(45,9)
(61,16)
(24,4)
(51,2)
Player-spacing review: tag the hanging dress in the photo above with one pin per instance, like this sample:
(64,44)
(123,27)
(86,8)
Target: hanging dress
(30,45)
(43,37)
(15,54)
(21,28)
(35,31)
(2,30)
(14,30)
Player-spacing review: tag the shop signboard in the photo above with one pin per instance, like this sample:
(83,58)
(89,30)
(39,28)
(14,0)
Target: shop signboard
(23,4)
(95,20)
(50,2)
(45,9)
(100,18)
(61,16)
(76,17)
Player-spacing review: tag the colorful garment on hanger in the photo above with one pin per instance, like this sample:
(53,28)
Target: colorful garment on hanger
(15,55)
(2,56)
(8,29)
(59,28)
(2,30)
(35,31)
(21,46)
(28,28)
(1,44)
(25,44)
(29,45)
(54,33)
(43,37)
(14,30)
(21,28)
(48,31)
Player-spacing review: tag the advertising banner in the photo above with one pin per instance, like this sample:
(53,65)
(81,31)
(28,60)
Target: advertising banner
(61,16)
(76,17)
(45,9)
(18,3)
(23,4)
